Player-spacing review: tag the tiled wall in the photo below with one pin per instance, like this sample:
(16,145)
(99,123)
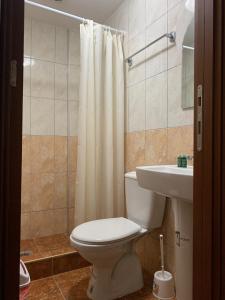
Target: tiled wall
(157,128)
(51,82)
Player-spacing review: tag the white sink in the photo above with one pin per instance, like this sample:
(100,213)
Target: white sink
(168,180)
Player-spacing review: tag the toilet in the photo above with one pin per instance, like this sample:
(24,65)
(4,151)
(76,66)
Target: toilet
(109,244)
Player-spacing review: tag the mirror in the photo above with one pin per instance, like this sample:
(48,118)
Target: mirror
(188,67)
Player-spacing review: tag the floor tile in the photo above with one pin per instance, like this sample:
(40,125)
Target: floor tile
(44,289)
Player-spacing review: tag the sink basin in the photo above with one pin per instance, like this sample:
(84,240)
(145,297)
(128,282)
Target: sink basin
(168,180)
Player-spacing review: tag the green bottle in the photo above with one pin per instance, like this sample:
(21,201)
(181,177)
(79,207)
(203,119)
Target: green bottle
(184,161)
(179,161)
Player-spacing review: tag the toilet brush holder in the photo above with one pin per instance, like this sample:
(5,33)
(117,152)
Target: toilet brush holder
(163,285)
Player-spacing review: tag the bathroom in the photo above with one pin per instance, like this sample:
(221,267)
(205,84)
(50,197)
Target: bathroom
(111,134)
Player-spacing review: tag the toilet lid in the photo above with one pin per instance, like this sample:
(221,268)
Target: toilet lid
(105,230)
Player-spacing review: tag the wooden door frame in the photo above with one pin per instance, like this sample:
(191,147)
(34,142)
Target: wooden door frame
(209,167)
(11,49)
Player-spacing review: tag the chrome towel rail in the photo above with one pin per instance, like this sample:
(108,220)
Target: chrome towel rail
(171,36)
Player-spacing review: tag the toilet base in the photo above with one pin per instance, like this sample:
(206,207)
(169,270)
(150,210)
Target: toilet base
(125,277)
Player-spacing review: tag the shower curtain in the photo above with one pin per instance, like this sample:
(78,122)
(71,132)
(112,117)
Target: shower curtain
(100,166)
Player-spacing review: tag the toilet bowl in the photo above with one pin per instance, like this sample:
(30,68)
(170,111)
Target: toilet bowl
(109,244)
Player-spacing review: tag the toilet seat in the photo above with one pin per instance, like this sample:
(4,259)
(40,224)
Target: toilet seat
(105,231)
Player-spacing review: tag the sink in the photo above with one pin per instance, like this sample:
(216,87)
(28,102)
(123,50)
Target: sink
(168,180)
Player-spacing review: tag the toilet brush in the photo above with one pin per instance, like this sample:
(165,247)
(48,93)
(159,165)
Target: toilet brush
(163,284)
(162,254)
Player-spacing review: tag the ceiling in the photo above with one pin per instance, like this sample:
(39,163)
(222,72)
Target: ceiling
(97,10)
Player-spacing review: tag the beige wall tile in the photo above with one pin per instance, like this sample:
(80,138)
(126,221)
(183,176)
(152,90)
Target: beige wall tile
(42,116)
(43,40)
(156,147)
(61,187)
(72,155)
(180,141)
(42,223)
(59,227)
(26,193)
(61,45)
(42,79)
(61,154)
(135,150)
(42,191)
(26,226)
(72,188)
(26,154)
(136,107)
(42,154)
(71,221)
(61,124)
(156,101)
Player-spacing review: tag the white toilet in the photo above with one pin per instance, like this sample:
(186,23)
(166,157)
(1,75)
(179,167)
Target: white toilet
(109,243)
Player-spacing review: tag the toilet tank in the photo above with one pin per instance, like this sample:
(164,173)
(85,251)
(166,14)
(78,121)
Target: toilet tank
(143,206)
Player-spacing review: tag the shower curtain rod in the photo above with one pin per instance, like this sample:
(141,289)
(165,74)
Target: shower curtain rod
(82,20)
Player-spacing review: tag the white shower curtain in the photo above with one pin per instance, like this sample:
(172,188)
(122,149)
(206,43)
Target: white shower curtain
(100,166)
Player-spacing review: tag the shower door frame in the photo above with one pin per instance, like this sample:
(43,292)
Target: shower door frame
(11,95)
(209,167)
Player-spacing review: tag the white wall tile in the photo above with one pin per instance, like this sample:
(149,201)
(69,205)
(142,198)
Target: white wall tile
(156,55)
(27,37)
(42,116)
(61,74)
(26,76)
(61,44)
(43,40)
(120,18)
(156,101)
(136,17)
(73,82)
(136,72)
(74,47)
(172,3)
(26,115)
(73,117)
(176,115)
(61,118)
(136,107)
(154,10)
(42,79)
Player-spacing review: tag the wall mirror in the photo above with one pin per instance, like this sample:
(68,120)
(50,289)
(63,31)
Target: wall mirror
(188,67)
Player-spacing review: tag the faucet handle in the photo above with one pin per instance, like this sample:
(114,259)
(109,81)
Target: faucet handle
(190,157)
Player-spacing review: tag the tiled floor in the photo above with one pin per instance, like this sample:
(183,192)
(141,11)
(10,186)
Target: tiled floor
(72,286)
(46,247)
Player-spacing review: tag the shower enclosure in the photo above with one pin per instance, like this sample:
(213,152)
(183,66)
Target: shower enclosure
(49,146)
